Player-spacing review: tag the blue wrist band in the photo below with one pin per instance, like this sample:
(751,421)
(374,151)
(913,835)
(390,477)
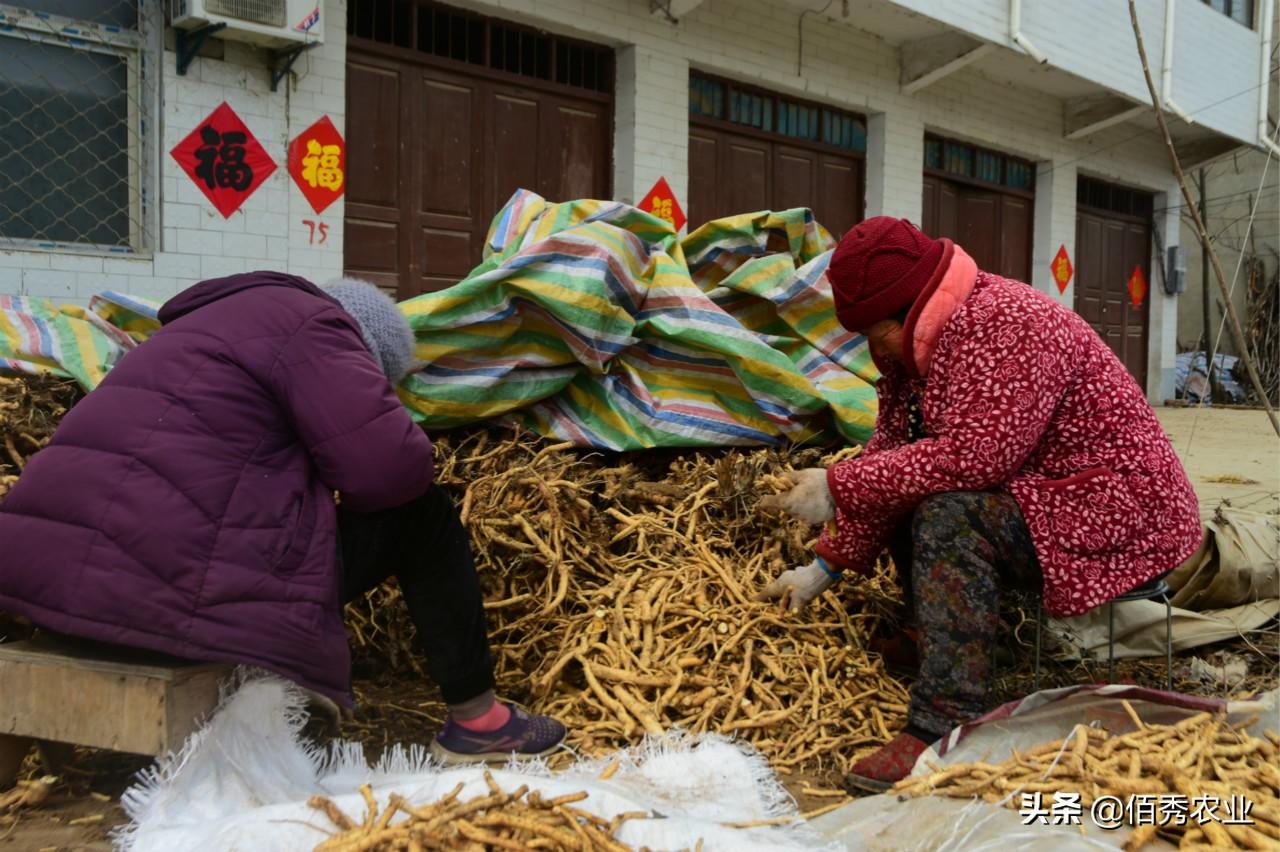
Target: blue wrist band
(822,563)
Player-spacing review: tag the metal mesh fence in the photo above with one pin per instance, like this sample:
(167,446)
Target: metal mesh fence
(73,111)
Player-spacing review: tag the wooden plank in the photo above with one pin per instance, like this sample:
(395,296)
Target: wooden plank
(98,698)
(189,700)
(55,656)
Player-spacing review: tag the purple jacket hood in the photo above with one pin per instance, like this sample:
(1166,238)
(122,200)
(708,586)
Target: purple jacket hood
(208,292)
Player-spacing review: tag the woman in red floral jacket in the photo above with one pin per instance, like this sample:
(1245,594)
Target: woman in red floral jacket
(1012,449)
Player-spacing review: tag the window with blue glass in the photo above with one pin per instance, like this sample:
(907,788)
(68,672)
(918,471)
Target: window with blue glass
(960,159)
(710,97)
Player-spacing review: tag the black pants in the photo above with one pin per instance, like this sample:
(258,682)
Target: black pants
(425,546)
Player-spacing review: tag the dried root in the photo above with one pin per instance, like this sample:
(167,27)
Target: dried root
(30,408)
(519,819)
(27,794)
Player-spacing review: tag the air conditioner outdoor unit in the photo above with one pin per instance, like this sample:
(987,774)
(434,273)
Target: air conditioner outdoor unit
(269,23)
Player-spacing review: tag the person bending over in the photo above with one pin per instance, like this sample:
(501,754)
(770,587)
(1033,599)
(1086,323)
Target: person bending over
(187,504)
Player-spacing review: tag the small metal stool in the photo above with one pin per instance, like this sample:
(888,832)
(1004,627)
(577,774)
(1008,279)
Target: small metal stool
(1153,589)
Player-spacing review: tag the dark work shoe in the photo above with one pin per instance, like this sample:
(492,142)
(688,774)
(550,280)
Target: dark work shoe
(524,735)
(886,766)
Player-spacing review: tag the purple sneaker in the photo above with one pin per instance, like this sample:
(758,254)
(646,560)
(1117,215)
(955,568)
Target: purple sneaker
(524,735)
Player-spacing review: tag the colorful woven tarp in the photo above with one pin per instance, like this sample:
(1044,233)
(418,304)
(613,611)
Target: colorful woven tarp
(587,321)
(37,336)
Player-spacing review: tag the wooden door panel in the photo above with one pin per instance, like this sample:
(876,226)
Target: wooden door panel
(732,173)
(1112,311)
(948,212)
(979,223)
(1015,237)
(573,139)
(839,205)
(794,178)
(746,167)
(929,207)
(371,250)
(449,251)
(512,149)
(374,219)
(1107,249)
(373,121)
(704,183)
(449,255)
(993,227)
(447,148)
(434,151)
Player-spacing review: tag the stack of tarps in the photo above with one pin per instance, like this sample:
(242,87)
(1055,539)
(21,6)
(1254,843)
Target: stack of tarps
(587,321)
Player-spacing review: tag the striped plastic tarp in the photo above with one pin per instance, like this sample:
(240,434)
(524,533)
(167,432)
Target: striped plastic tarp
(37,336)
(587,321)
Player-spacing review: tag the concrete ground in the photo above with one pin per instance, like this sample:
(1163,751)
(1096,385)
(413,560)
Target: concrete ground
(1229,454)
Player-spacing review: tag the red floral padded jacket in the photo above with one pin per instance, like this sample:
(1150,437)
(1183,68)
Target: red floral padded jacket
(1018,393)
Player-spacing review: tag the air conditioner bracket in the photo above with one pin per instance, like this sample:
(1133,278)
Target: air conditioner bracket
(189,44)
(282,61)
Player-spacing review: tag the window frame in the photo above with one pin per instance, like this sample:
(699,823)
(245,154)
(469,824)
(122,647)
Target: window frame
(971,178)
(777,98)
(1230,6)
(141,49)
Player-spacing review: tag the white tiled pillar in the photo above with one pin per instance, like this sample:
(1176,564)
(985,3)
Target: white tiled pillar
(651,126)
(1054,227)
(1162,334)
(895,164)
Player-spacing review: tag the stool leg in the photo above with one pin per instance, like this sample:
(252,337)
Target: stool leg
(1039,626)
(1111,642)
(1168,644)
(55,756)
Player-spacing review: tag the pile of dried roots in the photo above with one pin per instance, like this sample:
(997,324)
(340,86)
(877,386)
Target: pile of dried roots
(519,819)
(1201,760)
(620,600)
(30,408)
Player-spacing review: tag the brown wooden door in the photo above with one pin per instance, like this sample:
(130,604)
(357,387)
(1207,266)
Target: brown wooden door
(435,151)
(374,223)
(1108,248)
(732,173)
(992,226)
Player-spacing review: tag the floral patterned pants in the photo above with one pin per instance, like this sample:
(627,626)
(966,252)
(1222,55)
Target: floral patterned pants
(962,548)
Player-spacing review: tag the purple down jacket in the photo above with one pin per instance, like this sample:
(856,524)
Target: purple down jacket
(186,504)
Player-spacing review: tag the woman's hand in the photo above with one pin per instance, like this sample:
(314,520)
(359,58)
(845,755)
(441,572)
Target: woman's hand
(799,586)
(808,499)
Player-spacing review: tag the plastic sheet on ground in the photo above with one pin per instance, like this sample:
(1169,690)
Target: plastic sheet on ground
(1229,587)
(1191,380)
(591,322)
(243,781)
(944,824)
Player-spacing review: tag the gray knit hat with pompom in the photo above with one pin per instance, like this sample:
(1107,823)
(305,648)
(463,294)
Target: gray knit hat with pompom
(385,330)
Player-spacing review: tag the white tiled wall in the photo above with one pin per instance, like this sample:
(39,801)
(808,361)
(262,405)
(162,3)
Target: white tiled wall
(194,241)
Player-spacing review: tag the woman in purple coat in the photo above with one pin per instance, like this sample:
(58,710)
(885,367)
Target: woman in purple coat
(186,505)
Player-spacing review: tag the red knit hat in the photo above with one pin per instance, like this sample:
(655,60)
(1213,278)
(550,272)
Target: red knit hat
(879,268)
